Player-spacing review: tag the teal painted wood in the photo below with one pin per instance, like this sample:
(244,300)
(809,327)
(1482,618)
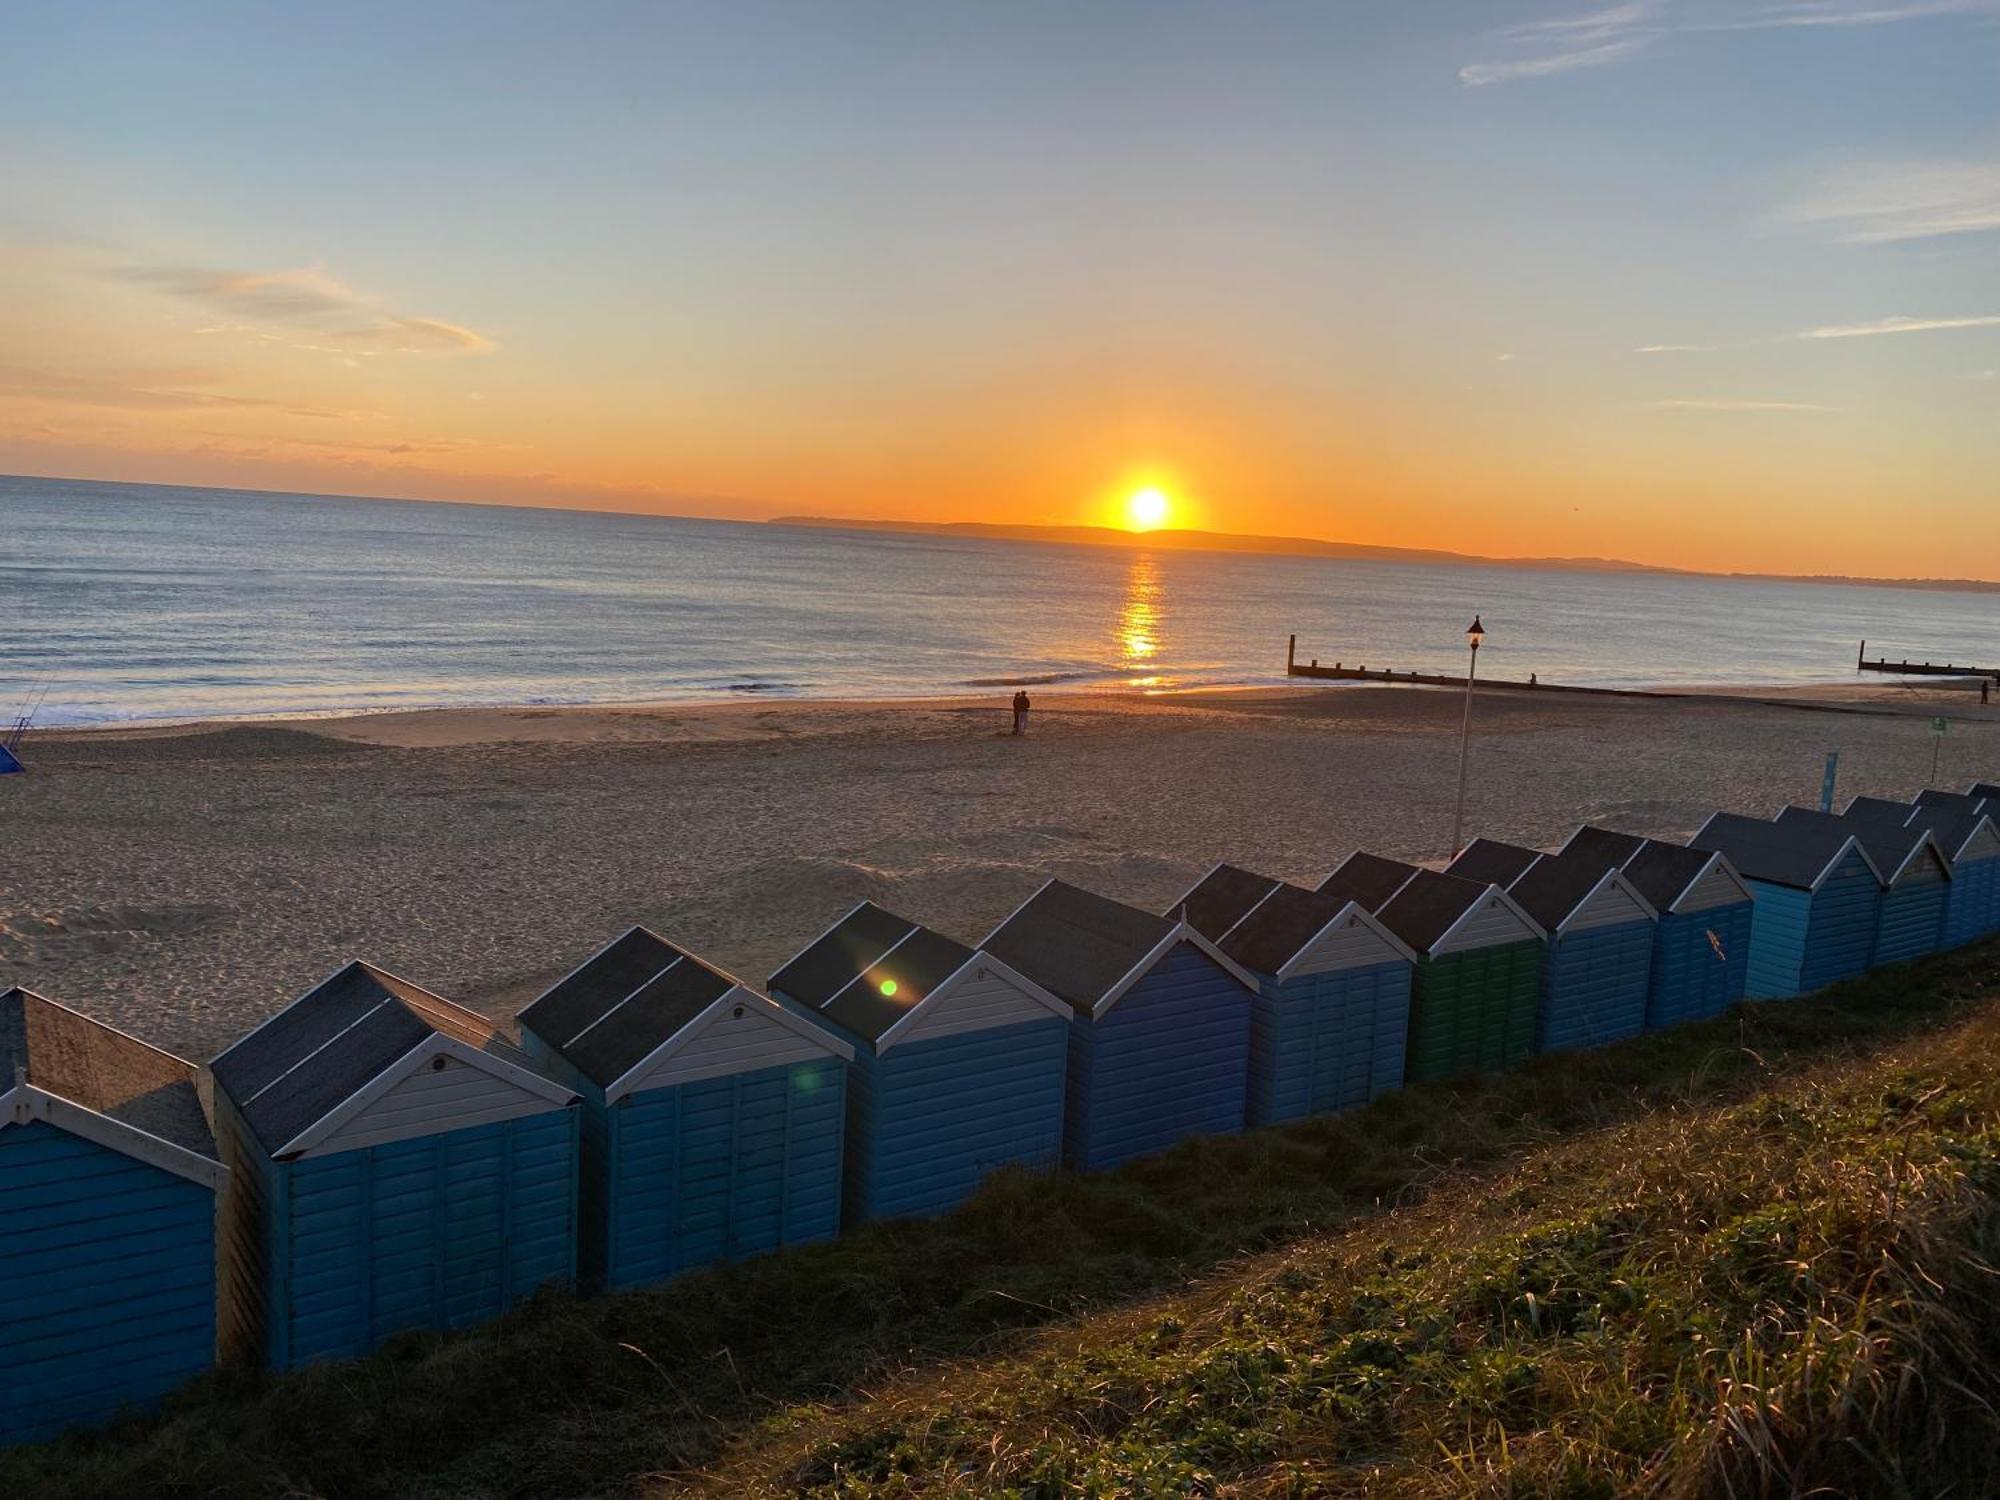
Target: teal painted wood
(928,1120)
(717,1169)
(107,1282)
(1777,940)
(1691,979)
(1840,939)
(439,1231)
(1594,987)
(1973,909)
(1322,1042)
(1911,922)
(1169,1060)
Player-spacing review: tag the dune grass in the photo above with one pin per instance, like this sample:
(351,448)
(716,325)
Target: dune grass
(1745,1256)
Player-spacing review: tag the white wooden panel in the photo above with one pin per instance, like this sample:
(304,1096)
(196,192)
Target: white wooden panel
(1714,887)
(1487,925)
(979,1001)
(1610,905)
(732,1043)
(1350,944)
(432,1100)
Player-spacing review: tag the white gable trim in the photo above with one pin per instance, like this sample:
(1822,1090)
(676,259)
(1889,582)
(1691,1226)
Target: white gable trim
(1618,883)
(435,1045)
(1981,824)
(1841,854)
(1929,839)
(1182,933)
(729,999)
(1349,911)
(1719,863)
(24,1104)
(1535,929)
(980,961)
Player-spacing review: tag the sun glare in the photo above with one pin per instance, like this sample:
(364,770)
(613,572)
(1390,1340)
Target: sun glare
(1147,509)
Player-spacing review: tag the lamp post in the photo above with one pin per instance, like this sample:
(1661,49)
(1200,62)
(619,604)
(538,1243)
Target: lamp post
(1474,634)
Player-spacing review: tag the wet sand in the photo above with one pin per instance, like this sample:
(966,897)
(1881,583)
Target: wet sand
(186,882)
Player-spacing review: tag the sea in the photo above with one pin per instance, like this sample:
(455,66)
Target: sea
(136,602)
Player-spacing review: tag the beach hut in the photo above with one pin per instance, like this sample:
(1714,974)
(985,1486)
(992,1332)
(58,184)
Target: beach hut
(1971,842)
(959,1061)
(1818,900)
(1477,985)
(1331,1018)
(108,1184)
(1916,882)
(1701,942)
(396,1164)
(711,1115)
(1160,1022)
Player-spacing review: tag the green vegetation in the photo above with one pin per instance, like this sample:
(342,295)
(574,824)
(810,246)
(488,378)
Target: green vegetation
(1747,1257)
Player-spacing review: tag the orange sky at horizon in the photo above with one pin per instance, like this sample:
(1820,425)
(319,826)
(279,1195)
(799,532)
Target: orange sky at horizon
(1435,277)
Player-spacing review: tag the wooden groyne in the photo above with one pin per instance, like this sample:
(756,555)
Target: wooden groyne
(1341,672)
(1909,668)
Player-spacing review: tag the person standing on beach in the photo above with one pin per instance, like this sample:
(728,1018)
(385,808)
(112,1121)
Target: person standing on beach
(1021,711)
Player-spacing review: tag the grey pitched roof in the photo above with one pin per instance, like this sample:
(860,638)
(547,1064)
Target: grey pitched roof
(1492,863)
(338,1037)
(872,969)
(1794,854)
(1555,885)
(1880,811)
(1424,910)
(1958,801)
(1887,845)
(1368,880)
(1662,872)
(65,1053)
(1950,826)
(1611,848)
(624,1004)
(1283,923)
(1076,944)
(1220,899)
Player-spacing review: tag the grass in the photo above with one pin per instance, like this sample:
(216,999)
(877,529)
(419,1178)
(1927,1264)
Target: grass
(1745,1257)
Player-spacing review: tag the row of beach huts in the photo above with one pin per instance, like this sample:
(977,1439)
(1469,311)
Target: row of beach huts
(379,1159)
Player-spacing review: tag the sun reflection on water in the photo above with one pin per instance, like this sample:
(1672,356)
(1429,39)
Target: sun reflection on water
(1140,616)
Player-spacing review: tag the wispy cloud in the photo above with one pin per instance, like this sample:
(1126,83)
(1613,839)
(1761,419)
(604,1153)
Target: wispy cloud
(1883,326)
(1675,348)
(1883,202)
(310,303)
(1729,404)
(1566,44)
(146,390)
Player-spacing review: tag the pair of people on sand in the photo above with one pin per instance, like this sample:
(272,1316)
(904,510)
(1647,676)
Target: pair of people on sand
(1021,706)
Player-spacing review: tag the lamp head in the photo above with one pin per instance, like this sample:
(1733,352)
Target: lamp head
(1475,633)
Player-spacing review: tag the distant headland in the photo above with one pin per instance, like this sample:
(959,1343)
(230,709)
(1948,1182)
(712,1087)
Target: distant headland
(1178,540)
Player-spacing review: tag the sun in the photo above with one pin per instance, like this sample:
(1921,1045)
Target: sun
(1147,509)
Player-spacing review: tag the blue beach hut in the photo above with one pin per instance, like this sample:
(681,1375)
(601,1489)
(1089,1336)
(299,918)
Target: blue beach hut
(1701,943)
(397,1164)
(711,1117)
(1916,883)
(1818,899)
(108,1184)
(1598,973)
(1971,842)
(1331,1019)
(1159,1038)
(959,1061)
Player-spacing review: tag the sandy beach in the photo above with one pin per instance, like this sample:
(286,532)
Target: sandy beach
(185,882)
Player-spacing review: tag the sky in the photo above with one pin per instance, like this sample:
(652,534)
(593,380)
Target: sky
(1705,283)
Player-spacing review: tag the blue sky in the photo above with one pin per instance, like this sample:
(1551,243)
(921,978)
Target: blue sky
(1701,281)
